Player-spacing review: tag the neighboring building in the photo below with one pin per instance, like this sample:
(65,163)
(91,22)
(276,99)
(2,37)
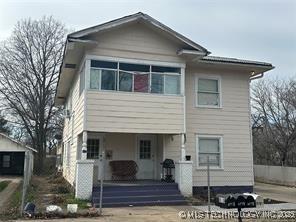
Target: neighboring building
(12,156)
(138,90)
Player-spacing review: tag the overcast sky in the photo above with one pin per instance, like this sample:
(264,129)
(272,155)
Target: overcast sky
(263,30)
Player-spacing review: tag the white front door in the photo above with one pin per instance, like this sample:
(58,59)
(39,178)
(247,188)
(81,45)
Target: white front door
(146,146)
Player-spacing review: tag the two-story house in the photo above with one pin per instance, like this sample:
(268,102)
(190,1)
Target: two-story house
(137,90)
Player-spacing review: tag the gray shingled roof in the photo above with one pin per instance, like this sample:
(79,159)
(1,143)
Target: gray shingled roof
(235,61)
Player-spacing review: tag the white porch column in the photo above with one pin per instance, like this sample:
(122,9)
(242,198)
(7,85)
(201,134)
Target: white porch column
(183,150)
(84,146)
(84,179)
(183,176)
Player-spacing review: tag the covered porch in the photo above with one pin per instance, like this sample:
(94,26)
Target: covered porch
(138,157)
(146,151)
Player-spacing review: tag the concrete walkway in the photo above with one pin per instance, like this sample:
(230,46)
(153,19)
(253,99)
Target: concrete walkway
(276,192)
(8,191)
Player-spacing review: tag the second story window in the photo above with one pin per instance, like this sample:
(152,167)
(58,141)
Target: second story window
(208,92)
(127,77)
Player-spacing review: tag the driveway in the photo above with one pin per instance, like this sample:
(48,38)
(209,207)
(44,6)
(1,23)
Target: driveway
(8,191)
(276,192)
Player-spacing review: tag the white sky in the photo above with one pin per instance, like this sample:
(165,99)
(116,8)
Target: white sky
(263,30)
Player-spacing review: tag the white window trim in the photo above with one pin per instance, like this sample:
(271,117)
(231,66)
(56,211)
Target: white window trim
(99,136)
(211,77)
(182,66)
(207,136)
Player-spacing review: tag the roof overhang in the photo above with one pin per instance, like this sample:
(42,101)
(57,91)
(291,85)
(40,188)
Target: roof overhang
(253,67)
(73,55)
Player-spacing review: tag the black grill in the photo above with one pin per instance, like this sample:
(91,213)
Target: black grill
(167,166)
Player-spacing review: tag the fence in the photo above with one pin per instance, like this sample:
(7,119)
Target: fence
(28,170)
(276,174)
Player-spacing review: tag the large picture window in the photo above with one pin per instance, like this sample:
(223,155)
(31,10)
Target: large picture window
(139,78)
(208,92)
(209,146)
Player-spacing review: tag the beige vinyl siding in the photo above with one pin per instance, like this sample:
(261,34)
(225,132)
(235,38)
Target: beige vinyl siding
(136,41)
(232,122)
(134,112)
(73,130)
(172,147)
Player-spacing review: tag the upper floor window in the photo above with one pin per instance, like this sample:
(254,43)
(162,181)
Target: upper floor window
(129,77)
(208,92)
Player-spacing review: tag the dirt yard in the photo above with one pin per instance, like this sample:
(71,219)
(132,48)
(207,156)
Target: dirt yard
(148,214)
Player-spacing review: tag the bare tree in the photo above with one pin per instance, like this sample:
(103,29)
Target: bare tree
(274,106)
(4,127)
(29,67)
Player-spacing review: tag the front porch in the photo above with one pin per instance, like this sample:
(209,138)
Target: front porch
(143,187)
(147,151)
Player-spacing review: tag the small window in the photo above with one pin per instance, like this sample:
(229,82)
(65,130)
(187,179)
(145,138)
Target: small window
(208,92)
(134,67)
(125,82)
(165,69)
(141,82)
(82,80)
(157,81)
(108,80)
(93,148)
(103,64)
(209,146)
(172,84)
(6,161)
(145,149)
(95,78)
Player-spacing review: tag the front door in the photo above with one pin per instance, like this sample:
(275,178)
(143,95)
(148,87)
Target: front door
(146,146)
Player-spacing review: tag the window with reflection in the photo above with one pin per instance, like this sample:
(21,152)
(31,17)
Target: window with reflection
(139,78)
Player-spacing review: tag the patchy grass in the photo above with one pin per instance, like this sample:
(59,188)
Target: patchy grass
(12,208)
(44,191)
(4,184)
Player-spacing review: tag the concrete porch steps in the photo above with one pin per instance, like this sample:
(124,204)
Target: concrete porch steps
(139,195)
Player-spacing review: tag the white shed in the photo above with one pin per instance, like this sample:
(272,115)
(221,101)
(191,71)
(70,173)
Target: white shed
(13,155)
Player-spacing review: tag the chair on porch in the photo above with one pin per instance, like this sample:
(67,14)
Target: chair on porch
(123,169)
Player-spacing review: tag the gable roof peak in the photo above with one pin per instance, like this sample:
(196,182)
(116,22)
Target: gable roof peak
(132,18)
